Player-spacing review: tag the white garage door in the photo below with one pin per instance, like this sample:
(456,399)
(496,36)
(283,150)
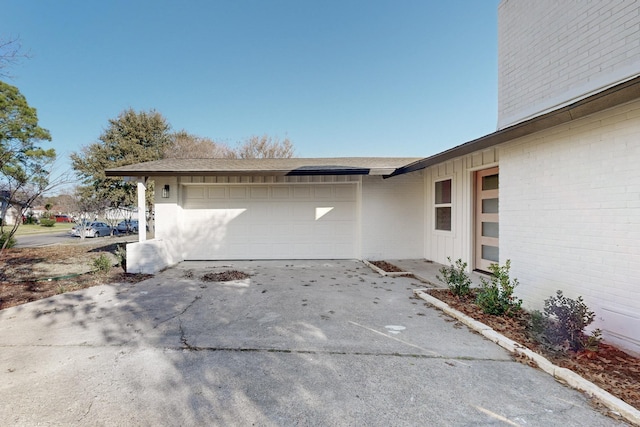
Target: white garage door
(275,221)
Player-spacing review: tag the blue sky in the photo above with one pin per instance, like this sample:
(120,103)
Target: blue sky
(339,78)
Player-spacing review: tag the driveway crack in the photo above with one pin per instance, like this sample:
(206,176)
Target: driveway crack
(87,411)
(183,339)
(179,314)
(460,359)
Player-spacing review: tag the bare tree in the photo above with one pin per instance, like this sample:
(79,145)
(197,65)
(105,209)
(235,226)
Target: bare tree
(10,54)
(264,147)
(63,203)
(85,207)
(187,146)
(21,194)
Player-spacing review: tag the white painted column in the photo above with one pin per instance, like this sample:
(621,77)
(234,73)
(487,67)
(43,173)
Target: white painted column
(142,211)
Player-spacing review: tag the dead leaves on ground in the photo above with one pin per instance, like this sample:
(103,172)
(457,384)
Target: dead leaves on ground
(610,368)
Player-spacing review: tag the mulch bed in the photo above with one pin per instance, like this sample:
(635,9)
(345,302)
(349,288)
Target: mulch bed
(386,266)
(225,276)
(21,279)
(609,368)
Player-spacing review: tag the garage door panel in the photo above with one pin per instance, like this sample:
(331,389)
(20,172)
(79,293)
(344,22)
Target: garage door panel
(345,192)
(301,192)
(238,192)
(195,193)
(344,228)
(280,211)
(259,192)
(281,192)
(338,211)
(218,193)
(303,212)
(270,221)
(323,229)
(323,191)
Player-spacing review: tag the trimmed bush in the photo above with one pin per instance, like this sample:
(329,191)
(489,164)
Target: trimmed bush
(563,324)
(46,222)
(496,297)
(102,264)
(456,277)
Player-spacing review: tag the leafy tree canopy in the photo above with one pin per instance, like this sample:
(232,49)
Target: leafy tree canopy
(19,130)
(133,137)
(24,166)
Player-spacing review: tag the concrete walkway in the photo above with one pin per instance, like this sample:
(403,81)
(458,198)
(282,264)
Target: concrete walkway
(297,343)
(428,271)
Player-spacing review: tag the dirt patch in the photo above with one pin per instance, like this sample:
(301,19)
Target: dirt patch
(609,368)
(387,267)
(30,274)
(225,276)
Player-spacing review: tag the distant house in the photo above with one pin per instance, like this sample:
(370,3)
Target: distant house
(556,189)
(8,212)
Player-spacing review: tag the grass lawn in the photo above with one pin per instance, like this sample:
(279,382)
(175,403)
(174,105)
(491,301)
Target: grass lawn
(26,229)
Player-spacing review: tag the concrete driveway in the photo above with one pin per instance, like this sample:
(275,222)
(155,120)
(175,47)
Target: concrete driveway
(298,343)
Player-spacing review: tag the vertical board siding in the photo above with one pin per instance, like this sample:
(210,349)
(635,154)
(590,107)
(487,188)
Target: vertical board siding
(266,179)
(458,243)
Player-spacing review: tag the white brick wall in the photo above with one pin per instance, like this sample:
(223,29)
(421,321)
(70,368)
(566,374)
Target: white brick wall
(392,217)
(570,217)
(554,52)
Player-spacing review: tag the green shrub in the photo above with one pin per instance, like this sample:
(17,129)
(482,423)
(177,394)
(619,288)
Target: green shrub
(564,323)
(121,256)
(6,236)
(496,297)
(102,263)
(46,222)
(537,324)
(455,277)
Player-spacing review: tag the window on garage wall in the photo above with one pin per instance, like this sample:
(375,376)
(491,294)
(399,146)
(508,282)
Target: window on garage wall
(442,205)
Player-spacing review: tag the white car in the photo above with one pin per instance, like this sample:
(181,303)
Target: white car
(92,229)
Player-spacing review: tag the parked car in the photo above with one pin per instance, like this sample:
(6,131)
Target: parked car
(63,218)
(128,226)
(92,229)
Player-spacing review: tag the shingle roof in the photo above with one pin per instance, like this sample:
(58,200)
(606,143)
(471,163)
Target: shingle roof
(292,166)
(386,166)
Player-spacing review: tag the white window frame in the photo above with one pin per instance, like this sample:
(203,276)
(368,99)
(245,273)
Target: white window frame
(442,205)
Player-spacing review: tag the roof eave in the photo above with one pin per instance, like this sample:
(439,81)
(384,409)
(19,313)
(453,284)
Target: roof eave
(253,172)
(611,97)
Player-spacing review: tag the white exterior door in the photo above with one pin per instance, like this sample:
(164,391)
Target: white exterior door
(269,221)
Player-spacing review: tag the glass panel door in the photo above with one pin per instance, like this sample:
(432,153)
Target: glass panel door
(487,228)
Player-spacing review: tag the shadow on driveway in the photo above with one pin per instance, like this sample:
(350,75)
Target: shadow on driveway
(297,343)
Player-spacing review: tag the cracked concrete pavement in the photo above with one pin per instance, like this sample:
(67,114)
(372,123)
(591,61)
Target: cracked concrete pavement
(325,343)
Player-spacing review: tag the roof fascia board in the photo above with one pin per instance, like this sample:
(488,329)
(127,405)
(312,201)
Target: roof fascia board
(614,96)
(306,172)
